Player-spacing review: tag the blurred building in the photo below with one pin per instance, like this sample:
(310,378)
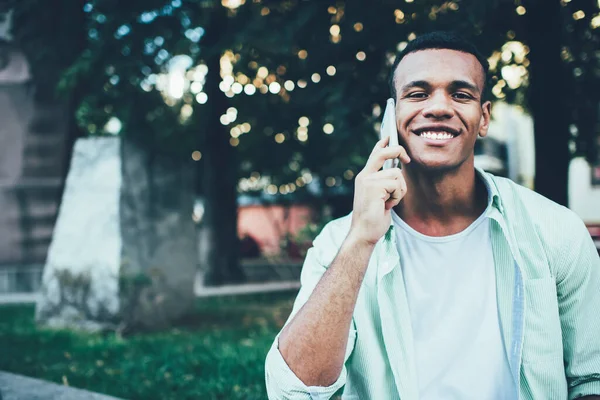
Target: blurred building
(32,168)
(508,149)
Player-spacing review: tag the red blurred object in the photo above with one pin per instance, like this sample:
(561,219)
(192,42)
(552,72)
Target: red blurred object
(595,233)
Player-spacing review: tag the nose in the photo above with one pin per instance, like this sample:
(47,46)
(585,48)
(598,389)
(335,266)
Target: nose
(438,107)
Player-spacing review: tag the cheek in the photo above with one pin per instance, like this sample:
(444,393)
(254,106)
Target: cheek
(404,116)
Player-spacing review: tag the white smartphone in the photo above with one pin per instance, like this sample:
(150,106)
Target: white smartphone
(388,128)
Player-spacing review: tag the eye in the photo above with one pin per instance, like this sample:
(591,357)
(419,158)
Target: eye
(417,95)
(462,96)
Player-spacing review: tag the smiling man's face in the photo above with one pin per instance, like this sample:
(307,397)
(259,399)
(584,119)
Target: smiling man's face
(439,109)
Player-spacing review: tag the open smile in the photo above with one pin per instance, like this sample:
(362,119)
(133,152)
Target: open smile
(436,135)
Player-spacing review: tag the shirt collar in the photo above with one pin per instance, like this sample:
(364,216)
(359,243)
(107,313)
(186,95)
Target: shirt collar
(493,195)
(492,189)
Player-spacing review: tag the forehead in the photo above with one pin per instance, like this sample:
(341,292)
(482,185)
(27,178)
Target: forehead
(439,66)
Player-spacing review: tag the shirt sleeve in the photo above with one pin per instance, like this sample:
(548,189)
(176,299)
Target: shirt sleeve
(281,381)
(578,287)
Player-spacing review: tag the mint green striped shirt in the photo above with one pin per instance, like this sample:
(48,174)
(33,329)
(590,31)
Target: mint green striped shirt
(548,293)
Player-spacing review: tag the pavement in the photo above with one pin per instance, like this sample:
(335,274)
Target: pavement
(18,387)
(225,290)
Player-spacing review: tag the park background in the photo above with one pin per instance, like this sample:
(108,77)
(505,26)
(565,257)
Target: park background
(165,164)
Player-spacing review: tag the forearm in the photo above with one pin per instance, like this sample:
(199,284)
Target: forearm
(313,344)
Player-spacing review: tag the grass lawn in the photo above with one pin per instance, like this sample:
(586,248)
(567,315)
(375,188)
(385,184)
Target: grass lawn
(218,352)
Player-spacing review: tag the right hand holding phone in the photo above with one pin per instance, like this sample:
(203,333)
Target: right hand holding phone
(376,192)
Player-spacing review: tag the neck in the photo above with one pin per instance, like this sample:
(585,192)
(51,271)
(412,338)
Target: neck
(440,203)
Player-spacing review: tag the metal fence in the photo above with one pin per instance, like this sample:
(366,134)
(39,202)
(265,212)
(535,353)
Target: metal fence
(20,278)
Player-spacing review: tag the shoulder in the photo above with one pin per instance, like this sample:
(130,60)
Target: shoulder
(528,206)
(334,232)
(330,239)
(560,231)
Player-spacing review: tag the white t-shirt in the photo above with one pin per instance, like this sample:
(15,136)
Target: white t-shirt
(451,288)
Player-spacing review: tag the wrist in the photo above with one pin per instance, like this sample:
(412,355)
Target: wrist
(356,241)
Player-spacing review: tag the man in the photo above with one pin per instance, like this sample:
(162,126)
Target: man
(445,282)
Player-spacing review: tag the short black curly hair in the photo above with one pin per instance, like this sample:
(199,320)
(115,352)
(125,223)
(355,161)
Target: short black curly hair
(439,40)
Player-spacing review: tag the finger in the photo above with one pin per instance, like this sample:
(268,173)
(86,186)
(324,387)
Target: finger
(404,158)
(378,157)
(395,197)
(390,189)
(381,144)
(392,173)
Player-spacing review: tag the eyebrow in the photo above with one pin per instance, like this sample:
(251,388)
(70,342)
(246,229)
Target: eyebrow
(415,84)
(457,84)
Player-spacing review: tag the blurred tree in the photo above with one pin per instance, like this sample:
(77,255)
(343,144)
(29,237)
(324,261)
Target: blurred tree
(273,94)
(551,66)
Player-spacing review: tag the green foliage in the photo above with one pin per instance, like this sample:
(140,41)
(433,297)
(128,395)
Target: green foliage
(122,44)
(218,352)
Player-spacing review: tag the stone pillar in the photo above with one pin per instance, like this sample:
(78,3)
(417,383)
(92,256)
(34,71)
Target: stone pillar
(123,252)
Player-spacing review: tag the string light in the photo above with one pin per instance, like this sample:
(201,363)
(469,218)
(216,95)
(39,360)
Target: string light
(303,121)
(331,70)
(328,129)
(521,10)
(223,87)
(274,87)
(202,98)
(186,111)
(302,134)
(361,56)
(237,88)
(196,155)
(302,83)
(334,30)
(577,15)
(289,85)
(358,27)
(243,79)
(228,80)
(272,189)
(302,54)
(262,72)
(234,141)
(349,174)
(249,89)
(232,4)
(280,138)
(196,87)
(307,177)
(399,16)
(316,78)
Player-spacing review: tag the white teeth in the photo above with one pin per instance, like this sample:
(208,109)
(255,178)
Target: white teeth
(436,135)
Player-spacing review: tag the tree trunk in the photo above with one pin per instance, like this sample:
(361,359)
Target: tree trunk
(159,258)
(548,99)
(220,174)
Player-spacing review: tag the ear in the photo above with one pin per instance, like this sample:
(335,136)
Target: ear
(486,114)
